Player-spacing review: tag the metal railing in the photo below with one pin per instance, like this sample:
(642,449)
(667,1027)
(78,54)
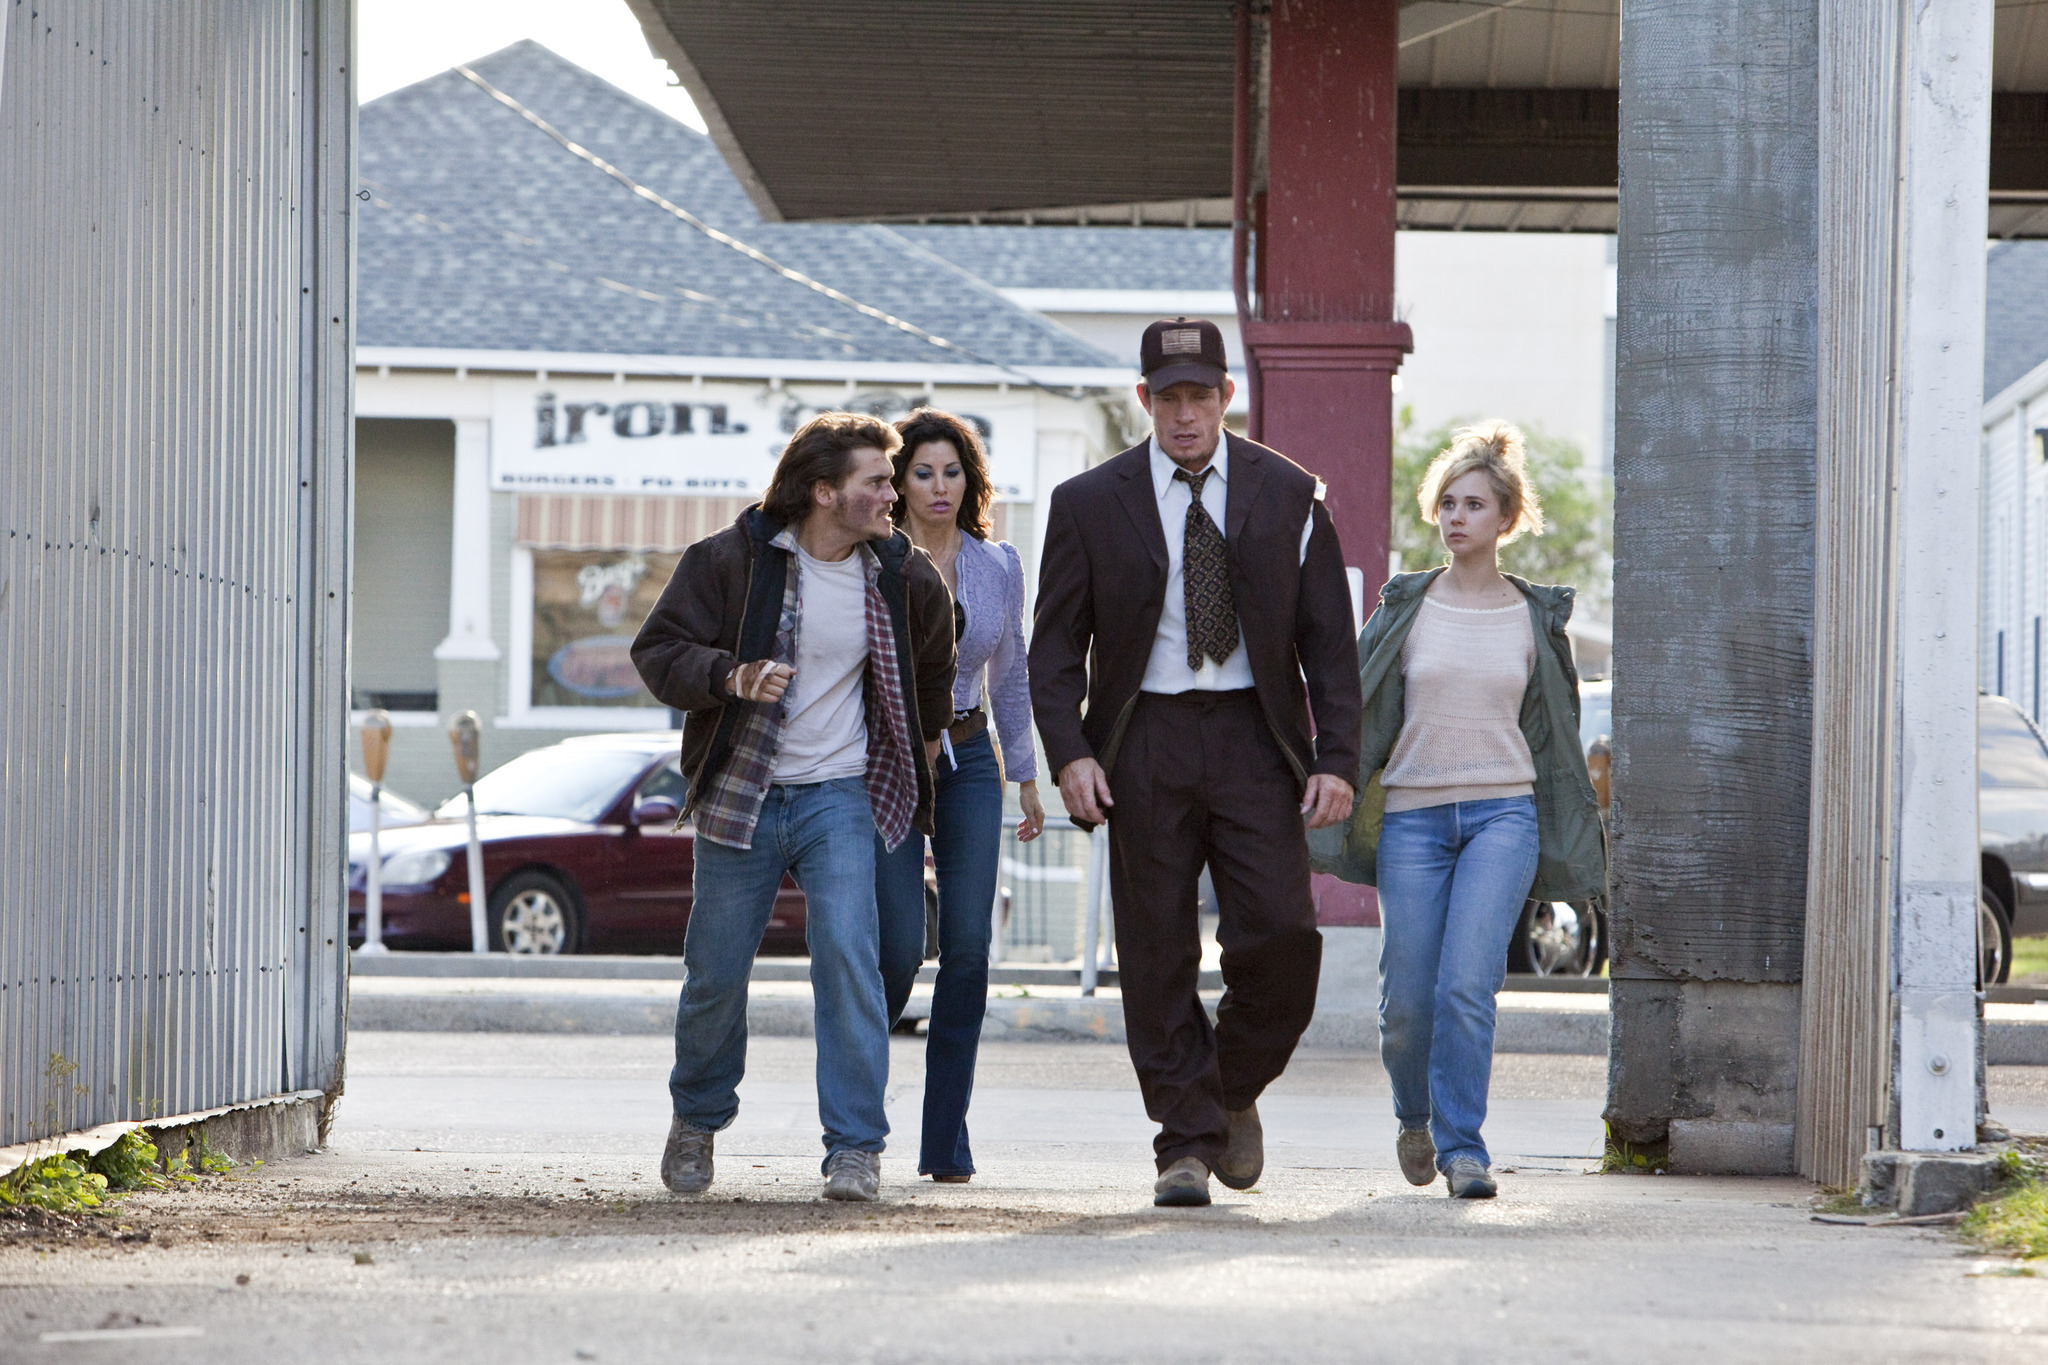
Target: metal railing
(1039,895)
(1053,901)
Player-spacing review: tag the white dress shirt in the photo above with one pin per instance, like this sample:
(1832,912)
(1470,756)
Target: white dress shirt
(1167,670)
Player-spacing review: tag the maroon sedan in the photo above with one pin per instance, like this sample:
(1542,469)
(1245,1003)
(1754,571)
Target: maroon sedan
(580,856)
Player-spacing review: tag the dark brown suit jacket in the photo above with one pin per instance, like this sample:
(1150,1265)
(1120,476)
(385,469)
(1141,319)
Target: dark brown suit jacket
(1102,584)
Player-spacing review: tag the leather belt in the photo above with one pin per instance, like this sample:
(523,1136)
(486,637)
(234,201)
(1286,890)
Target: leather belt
(967,724)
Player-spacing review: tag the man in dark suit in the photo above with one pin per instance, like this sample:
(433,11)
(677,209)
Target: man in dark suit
(1188,589)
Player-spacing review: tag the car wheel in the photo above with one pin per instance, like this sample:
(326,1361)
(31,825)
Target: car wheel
(533,914)
(1994,939)
(1554,938)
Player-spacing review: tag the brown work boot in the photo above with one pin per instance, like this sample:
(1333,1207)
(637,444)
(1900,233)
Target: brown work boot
(1417,1155)
(1245,1155)
(1183,1185)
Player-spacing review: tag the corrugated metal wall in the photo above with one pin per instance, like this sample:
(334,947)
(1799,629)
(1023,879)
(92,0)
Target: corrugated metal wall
(174,371)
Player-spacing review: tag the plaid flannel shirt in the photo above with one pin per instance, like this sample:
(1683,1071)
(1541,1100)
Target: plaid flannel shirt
(732,806)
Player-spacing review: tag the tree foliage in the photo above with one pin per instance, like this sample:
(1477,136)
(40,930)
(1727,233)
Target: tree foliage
(1578,547)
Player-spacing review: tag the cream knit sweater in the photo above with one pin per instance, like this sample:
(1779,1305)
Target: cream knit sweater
(1461,737)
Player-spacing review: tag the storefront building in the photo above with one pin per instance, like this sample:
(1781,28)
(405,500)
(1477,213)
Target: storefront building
(575,361)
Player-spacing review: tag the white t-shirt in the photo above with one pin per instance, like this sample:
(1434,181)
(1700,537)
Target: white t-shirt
(825,726)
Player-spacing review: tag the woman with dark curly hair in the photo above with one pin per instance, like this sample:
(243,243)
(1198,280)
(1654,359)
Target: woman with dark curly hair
(943,495)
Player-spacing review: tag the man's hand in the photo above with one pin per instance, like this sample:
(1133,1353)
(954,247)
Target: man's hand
(762,681)
(1084,787)
(1326,802)
(931,753)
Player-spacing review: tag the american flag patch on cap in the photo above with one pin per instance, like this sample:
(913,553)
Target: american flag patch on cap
(1180,341)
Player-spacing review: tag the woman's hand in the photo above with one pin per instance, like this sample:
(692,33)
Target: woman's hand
(1033,823)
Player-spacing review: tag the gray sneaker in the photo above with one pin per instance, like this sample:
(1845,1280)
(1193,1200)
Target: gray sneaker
(853,1175)
(1417,1154)
(1183,1185)
(1469,1179)
(686,1161)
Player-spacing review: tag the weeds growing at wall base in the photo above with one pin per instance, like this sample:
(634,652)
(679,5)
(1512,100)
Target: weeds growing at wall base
(1627,1158)
(74,1182)
(2015,1220)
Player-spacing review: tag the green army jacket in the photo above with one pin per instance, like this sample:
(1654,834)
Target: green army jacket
(1572,857)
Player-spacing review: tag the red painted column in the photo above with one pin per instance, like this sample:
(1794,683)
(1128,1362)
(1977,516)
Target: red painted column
(1325,340)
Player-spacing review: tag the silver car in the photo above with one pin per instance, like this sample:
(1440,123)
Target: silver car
(2012,831)
(397,810)
(1557,938)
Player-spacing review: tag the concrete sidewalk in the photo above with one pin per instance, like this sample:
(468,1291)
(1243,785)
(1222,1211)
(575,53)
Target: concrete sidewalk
(495,1198)
(1566,1023)
(1569,1022)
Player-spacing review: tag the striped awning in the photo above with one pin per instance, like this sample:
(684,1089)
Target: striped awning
(596,521)
(584,521)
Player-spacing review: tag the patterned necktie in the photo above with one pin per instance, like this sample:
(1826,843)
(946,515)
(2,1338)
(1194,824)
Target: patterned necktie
(1205,574)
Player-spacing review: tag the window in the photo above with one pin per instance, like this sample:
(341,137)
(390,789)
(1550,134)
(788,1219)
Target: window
(587,607)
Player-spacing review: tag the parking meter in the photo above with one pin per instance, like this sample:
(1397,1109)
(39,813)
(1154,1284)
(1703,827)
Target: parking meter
(376,750)
(465,735)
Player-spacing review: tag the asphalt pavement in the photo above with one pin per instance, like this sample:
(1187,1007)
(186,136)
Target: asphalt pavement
(494,1198)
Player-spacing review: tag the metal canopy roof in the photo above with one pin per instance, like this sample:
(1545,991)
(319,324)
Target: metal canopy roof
(1118,111)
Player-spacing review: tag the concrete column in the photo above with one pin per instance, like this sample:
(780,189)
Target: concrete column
(1324,341)
(1714,470)
(469,561)
(1891,1035)
(1946,82)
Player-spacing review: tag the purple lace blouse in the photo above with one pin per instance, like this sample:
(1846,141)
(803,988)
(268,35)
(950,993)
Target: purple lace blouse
(990,579)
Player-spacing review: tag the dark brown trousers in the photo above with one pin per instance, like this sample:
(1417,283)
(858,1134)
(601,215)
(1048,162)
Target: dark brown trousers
(1199,779)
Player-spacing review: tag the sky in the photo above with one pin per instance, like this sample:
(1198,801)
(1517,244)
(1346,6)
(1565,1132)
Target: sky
(402,41)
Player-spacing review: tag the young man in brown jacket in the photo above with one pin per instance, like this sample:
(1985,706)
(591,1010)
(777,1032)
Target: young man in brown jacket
(1192,597)
(812,647)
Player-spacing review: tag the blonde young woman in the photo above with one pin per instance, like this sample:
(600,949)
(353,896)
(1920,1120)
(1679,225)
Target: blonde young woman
(1477,796)
(943,496)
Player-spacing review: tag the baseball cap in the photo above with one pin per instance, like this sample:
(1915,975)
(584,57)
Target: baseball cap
(1182,352)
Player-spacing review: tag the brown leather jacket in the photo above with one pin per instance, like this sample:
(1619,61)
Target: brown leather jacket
(720,608)
(1102,584)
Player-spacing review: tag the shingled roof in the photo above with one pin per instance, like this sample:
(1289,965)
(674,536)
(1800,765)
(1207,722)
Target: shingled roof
(483,233)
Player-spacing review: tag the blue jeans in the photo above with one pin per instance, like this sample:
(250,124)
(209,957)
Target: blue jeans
(822,834)
(1452,880)
(966,849)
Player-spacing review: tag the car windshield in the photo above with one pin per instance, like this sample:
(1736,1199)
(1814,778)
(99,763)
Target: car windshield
(665,781)
(2009,750)
(397,810)
(568,781)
